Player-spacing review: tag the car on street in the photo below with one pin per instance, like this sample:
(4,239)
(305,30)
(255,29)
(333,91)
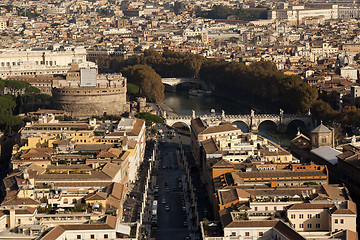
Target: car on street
(167,208)
(167,189)
(185,224)
(163,201)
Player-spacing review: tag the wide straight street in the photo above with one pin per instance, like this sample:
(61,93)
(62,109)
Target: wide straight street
(173,204)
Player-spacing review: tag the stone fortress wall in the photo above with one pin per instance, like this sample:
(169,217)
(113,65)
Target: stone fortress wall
(87,102)
(108,96)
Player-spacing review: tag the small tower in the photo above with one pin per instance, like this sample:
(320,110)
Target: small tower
(321,136)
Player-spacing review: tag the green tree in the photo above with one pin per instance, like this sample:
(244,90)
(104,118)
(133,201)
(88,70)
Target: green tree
(149,118)
(7,105)
(350,116)
(14,86)
(148,80)
(323,111)
(32,90)
(132,88)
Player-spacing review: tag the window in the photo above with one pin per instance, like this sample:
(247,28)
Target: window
(78,237)
(309,225)
(301,216)
(266,208)
(247,234)
(317,225)
(292,216)
(255,208)
(261,233)
(336,221)
(323,140)
(92,236)
(309,216)
(106,236)
(342,221)
(301,225)
(317,215)
(19,221)
(275,208)
(233,233)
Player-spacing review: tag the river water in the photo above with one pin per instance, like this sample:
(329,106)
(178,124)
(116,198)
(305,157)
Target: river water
(183,104)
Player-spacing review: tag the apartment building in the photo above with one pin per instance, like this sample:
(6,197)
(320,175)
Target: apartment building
(328,217)
(109,228)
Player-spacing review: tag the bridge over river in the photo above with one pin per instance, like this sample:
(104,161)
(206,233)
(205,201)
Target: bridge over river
(251,120)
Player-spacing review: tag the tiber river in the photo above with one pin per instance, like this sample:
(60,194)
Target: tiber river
(183,104)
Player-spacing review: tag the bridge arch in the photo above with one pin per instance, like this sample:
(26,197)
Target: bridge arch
(242,125)
(179,123)
(269,121)
(169,87)
(294,124)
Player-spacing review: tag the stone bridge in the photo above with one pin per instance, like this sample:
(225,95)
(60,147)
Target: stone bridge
(252,120)
(175,81)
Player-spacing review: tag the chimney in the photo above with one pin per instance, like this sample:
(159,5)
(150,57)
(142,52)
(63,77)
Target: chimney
(12,217)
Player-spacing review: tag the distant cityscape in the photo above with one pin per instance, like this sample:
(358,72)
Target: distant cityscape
(91,149)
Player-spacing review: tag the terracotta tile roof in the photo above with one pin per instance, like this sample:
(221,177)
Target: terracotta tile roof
(242,193)
(54,233)
(351,205)
(112,202)
(60,229)
(111,169)
(343,211)
(117,190)
(69,167)
(287,231)
(210,146)
(223,164)
(97,196)
(94,175)
(93,147)
(304,206)
(227,196)
(220,128)
(335,191)
(36,169)
(350,235)
(116,151)
(27,210)
(37,153)
(106,154)
(279,173)
(264,152)
(252,224)
(111,221)
(138,125)
(20,202)
(198,125)
(132,144)
(81,184)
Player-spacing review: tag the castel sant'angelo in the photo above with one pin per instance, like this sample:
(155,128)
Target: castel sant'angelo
(84,93)
(65,73)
